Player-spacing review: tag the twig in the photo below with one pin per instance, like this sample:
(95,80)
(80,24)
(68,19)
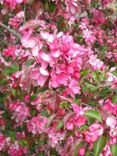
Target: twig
(85,104)
(11,30)
(108,84)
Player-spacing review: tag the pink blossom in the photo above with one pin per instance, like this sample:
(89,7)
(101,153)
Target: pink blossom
(20,111)
(73,88)
(15,149)
(17,19)
(111,122)
(79,121)
(114,85)
(105,2)
(96,63)
(71,6)
(12,3)
(110,107)
(98,17)
(70,125)
(88,36)
(2,142)
(55,137)
(94,132)
(106,151)
(37,103)
(39,75)
(48,37)
(20,135)
(37,124)
(10,52)
(81,151)
(77,109)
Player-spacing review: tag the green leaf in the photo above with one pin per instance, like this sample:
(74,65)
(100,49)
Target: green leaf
(42,89)
(65,104)
(89,87)
(52,7)
(99,145)
(84,127)
(14,92)
(60,125)
(114,149)
(33,97)
(84,72)
(94,114)
(23,143)
(12,135)
(12,69)
(114,72)
(95,76)
(89,153)
(29,62)
(103,50)
(45,113)
(3,82)
(104,92)
(33,112)
(114,99)
(101,76)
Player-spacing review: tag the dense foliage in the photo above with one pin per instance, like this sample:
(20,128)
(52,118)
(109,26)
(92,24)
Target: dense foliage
(58,78)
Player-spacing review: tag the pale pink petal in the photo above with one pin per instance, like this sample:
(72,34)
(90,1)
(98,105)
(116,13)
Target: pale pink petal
(44,71)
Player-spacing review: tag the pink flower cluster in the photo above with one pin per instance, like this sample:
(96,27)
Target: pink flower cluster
(58,78)
(13,3)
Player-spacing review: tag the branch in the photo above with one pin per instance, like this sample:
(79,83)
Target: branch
(11,30)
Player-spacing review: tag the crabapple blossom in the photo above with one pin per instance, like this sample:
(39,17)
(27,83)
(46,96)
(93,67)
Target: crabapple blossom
(58,78)
(95,131)
(37,124)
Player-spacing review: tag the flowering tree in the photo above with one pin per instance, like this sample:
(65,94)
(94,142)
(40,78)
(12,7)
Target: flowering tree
(58,78)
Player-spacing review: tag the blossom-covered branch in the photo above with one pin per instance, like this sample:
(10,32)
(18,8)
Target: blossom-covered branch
(11,30)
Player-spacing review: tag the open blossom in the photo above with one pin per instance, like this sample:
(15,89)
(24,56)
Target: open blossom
(15,149)
(88,36)
(79,121)
(111,122)
(12,3)
(37,124)
(110,107)
(94,132)
(20,111)
(81,151)
(106,151)
(71,6)
(40,75)
(51,63)
(55,137)
(98,17)
(33,43)
(70,125)
(37,103)
(78,110)
(96,63)
(10,51)
(17,19)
